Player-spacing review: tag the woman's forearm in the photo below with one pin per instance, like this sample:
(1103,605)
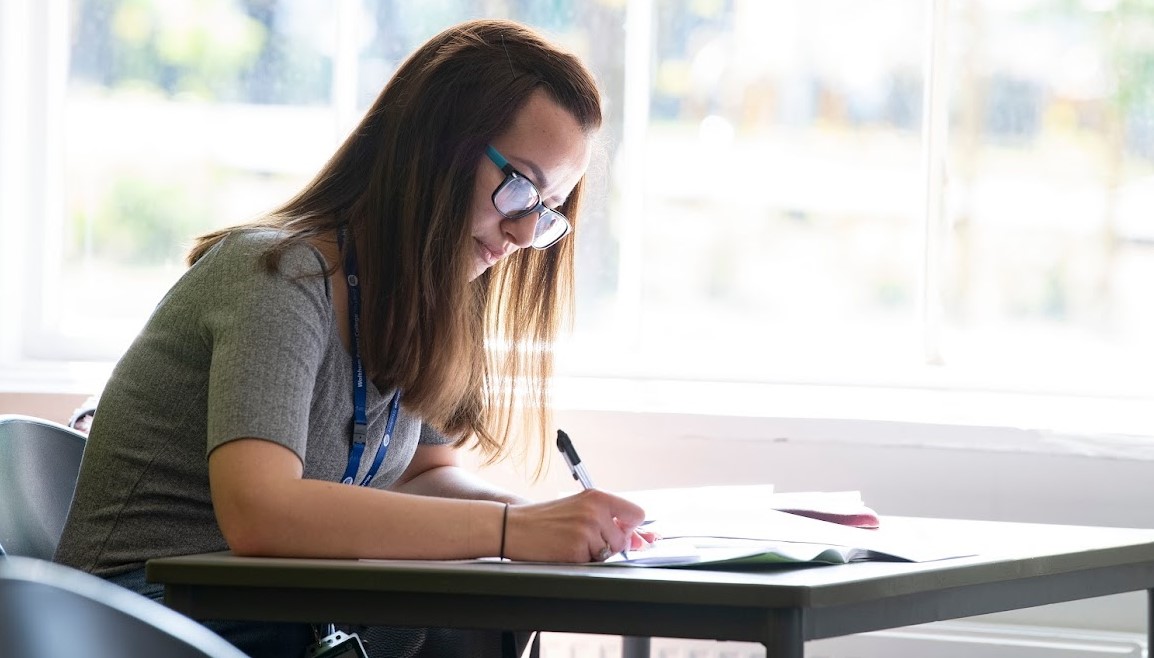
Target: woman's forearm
(313,518)
(457,482)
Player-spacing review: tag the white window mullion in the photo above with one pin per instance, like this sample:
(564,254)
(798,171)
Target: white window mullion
(935,136)
(346,52)
(47,135)
(32,54)
(630,224)
(15,75)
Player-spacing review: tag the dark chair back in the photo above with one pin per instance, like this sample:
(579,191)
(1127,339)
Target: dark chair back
(48,610)
(39,463)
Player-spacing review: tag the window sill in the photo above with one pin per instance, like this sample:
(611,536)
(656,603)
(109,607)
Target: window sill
(1109,427)
(48,377)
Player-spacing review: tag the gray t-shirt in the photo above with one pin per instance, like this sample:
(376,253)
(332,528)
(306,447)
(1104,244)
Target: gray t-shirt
(231,351)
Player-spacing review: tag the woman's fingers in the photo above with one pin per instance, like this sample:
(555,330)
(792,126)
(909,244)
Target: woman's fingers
(641,539)
(629,515)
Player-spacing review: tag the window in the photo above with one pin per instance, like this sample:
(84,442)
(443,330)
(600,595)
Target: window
(897,192)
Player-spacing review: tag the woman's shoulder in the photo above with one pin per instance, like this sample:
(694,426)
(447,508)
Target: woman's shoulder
(252,245)
(237,273)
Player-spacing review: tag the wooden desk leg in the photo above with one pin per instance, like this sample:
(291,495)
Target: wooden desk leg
(786,639)
(634,647)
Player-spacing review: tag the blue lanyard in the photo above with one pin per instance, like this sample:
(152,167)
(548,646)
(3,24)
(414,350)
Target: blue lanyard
(360,418)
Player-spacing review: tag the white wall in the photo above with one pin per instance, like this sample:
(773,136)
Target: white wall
(55,407)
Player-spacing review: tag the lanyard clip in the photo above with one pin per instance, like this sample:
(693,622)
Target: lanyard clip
(355,451)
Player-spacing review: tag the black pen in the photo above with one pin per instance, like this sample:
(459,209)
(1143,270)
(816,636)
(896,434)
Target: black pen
(565,445)
(573,460)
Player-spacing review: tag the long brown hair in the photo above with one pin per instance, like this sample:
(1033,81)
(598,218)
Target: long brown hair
(473,359)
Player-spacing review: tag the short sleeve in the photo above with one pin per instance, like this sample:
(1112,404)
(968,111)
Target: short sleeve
(268,333)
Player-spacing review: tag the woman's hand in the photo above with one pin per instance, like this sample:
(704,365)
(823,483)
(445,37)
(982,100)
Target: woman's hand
(586,527)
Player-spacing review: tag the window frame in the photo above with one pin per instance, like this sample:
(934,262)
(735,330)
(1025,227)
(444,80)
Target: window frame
(33,84)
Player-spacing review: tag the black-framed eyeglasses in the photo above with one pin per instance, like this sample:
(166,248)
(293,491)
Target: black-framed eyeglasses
(517,197)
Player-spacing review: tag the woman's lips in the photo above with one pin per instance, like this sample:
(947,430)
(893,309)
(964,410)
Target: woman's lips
(488,254)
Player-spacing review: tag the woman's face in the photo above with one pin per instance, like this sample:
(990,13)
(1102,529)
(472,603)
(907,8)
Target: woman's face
(547,146)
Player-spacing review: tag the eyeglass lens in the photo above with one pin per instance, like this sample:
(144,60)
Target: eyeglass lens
(518,197)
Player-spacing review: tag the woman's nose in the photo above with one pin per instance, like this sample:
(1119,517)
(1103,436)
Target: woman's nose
(521,231)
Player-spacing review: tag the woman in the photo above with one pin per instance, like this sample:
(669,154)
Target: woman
(304,389)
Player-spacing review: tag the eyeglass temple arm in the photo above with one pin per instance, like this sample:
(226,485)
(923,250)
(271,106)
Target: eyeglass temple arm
(499,159)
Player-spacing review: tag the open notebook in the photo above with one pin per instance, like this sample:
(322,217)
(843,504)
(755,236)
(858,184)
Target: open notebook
(746,526)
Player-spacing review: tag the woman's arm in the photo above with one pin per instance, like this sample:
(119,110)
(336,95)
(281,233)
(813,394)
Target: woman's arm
(265,507)
(436,471)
